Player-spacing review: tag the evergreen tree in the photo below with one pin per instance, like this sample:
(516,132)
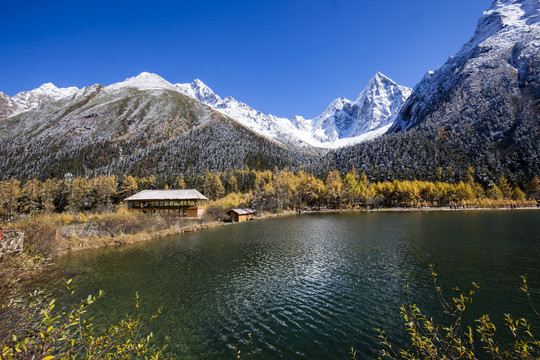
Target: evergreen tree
(10,192)
(533,188)
(103,188)
(517,194)
(212,185)
(180,182)
(78,193)
(495,193)
(351,188)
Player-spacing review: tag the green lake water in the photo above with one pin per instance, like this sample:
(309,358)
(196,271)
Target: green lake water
(309,286)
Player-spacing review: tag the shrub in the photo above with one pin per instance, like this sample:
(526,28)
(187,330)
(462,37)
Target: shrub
(39,332)
(430,340)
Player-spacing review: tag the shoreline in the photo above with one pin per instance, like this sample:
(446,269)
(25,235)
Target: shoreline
(71,245)
(426,209)
(93,243)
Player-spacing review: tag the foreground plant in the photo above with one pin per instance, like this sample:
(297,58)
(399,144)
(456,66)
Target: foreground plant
(456,340)
(38,332)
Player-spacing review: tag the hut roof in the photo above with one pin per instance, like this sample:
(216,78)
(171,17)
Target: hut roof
(244,211)
(187,194)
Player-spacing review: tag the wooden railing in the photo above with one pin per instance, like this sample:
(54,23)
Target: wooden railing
(11,242)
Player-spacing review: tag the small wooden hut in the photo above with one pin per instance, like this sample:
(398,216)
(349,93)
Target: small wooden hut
(239,215)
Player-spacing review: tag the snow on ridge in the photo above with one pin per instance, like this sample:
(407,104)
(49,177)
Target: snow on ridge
(505,26)
(342,123)
(143,81)
(43,95)
(324,131)
(371,112)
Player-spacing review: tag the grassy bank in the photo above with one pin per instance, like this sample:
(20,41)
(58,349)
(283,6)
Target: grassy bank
(51,235)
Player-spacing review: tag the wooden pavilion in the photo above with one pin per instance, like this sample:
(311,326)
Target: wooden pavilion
(185,203)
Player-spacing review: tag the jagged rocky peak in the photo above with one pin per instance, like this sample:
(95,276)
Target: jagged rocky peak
(382,88)
(373,111)
(34,99)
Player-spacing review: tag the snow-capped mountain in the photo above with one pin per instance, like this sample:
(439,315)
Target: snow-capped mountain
(501,61)
(34,99)
(347,122)
(344,122)
(480,109)
(143,126)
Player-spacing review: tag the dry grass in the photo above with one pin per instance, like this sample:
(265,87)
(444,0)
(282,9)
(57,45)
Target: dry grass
(55,234)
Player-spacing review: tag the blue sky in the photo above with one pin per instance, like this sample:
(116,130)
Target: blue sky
(283,57)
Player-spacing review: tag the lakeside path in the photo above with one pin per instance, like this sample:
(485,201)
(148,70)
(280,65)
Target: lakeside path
(74,245)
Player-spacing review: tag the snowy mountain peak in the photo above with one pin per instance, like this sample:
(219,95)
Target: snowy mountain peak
(344,122)
(143,81)
(379,77)
(35,99)
(368,116)
(515,12)
(47,87)
(503,51)
(504,16)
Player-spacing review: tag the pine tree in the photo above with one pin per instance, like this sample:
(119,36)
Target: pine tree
(78,194)
(351,188)
(533,188)
(180,183)
(212,185)
(517,194)
(10,192)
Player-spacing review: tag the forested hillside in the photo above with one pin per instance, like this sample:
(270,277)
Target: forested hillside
(131,131)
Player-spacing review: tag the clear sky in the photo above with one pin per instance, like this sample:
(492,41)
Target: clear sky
(283,57)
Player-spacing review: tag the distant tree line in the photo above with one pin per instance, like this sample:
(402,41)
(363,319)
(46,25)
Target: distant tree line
(268,190)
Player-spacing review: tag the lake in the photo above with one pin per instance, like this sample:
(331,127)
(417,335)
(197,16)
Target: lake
(309,286)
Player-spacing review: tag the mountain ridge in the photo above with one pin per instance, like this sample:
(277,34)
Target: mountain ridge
(325,131)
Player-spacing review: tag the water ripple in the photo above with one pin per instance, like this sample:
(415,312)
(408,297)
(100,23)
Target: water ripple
(309,286)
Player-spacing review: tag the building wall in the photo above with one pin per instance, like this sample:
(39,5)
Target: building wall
(195,212)
(240,218)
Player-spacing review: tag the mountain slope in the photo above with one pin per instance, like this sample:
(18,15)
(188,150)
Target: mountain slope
(500,62)
(136,127)
(481,108)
